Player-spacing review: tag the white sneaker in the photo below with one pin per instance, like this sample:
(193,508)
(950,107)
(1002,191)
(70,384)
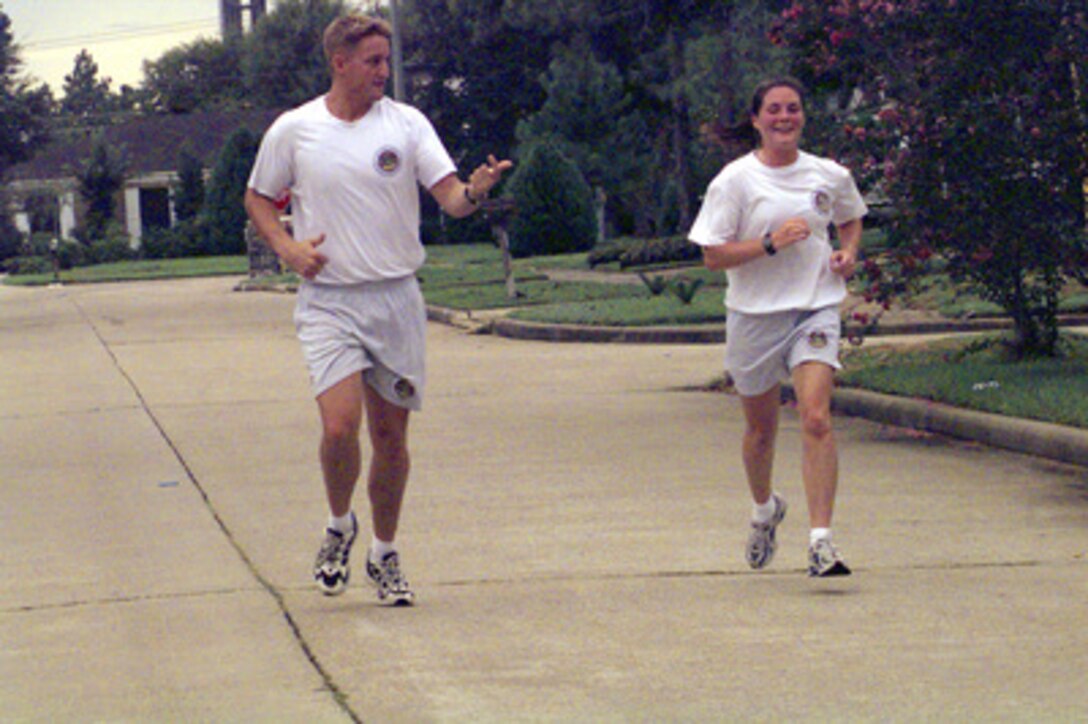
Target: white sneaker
(392,587)
(332,568)
(761,540)
(824,560)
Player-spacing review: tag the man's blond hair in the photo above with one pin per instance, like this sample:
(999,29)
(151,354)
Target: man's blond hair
(347,31)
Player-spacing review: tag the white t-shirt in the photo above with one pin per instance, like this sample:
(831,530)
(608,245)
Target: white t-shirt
(749,199)
(355,182)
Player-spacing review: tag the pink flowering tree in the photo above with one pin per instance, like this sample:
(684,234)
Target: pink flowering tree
(969,116)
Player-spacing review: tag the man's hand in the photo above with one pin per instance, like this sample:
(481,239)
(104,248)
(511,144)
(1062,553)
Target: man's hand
(304,258)
(486,175)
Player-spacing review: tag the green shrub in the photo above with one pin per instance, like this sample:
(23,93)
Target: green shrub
(685,289)
(114,246)
(28,265)
(188,238)
(72,254)
(605,253)
(657,284)
(555,212)
(660,251)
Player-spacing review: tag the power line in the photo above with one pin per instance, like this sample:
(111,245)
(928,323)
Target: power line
(72,41)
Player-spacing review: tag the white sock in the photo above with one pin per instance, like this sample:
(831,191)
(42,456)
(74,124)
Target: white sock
(379,549)
(817,534)
(762,512)
(342,523)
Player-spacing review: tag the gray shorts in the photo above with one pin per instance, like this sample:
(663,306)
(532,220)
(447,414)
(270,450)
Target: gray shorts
(375,328)
(762,349)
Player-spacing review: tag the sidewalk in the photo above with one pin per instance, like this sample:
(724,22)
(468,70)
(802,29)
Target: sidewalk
(574,531)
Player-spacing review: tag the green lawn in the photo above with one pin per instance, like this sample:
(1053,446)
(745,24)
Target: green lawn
(139,270)
(968,372)
(975,373)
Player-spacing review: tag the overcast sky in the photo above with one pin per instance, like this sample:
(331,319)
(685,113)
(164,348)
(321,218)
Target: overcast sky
(119,34)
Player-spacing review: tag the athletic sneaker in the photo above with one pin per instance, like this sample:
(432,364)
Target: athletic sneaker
(392,587)
(761,540)
(824,560)
(332,569)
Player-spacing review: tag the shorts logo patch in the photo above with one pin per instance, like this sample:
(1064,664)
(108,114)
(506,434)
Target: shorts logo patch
(387,161)
(821,201)
(404,389)
(817,339)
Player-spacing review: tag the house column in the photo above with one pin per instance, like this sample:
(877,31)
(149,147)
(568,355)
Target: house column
(67,214)
(132,215)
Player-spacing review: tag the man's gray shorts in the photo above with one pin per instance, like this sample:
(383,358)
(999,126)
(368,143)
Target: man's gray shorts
(376,328)
(762,349)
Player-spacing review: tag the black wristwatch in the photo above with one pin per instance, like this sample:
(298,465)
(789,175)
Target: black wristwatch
(768,245)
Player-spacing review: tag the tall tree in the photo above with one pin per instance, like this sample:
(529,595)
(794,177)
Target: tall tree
(973,122)
(100,178)
(284,62)
(24,110)
(589,116)
(189,190)
(86,96)
(201,75)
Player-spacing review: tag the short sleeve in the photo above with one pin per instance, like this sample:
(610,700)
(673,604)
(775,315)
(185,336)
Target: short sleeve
(848,203)
(718,220)
(433,162)
(273,168)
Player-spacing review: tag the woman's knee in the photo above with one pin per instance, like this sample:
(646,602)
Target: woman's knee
(816,421)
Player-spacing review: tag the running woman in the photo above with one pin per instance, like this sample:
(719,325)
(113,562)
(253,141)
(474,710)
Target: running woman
(765,220)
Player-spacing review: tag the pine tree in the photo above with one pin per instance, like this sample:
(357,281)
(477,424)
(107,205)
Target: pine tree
(85,95)
(189,189)
(554,205)
(223,208)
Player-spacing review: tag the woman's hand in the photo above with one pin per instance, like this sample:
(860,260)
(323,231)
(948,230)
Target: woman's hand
(790,232)
(844,262)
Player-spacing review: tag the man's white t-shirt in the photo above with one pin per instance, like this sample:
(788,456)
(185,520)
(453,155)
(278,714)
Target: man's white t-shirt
(355,182)
(749,199)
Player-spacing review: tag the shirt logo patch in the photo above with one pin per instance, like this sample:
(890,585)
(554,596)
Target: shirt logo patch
(821,201)
(387,161)
(403,389)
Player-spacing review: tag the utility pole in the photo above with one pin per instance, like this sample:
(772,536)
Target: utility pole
(398,60)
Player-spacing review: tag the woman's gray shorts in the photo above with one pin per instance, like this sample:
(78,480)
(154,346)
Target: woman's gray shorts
(377,328)
(762,349)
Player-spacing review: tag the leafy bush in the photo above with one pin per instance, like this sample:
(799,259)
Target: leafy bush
(605,253)
(660,251)
(115,246)
(72,254)
(657,284)
(188,238)
(10,238)
(28,265)
(555,205)
(685,289)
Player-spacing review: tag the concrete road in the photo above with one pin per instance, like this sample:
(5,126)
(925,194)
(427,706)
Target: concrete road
(574,532)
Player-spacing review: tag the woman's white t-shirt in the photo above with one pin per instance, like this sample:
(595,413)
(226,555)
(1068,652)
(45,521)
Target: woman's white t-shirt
(355,182)
(749,199)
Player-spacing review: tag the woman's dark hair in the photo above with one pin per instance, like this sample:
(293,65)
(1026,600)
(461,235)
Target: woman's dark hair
(744,133)
(766,86)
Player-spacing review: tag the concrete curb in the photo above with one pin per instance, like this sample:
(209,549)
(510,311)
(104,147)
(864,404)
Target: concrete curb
(1055,442)
(715,333)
